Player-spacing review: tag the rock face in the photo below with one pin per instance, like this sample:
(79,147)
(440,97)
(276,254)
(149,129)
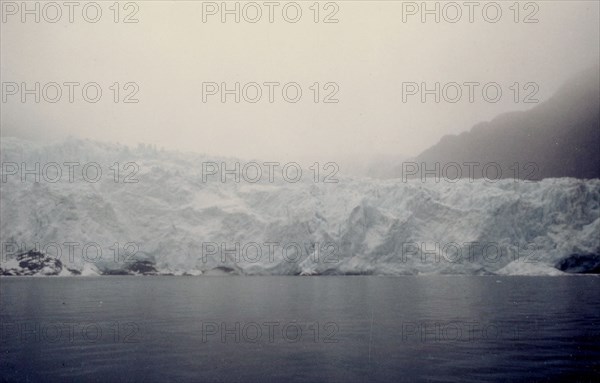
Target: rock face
(580,264)
(143,267)
(35,263)
(32,263)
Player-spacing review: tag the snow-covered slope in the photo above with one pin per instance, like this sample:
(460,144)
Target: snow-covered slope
(180,223)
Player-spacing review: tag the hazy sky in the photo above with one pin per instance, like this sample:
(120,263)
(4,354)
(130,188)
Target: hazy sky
(369,54)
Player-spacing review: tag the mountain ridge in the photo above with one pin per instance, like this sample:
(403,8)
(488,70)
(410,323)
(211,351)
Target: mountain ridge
(561,136)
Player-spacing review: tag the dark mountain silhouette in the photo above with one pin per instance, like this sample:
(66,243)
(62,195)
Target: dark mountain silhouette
(561,136)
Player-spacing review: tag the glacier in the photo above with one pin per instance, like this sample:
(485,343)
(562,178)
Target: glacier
(174,222)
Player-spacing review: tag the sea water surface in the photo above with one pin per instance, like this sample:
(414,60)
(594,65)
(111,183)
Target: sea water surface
(300,329)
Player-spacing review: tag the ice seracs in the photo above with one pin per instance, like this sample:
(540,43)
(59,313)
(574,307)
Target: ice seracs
(162,223)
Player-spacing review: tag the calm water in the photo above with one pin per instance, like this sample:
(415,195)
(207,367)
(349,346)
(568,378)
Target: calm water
(300,329)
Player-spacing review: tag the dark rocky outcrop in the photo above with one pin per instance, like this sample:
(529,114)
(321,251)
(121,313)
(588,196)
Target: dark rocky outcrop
(134,268)
(580,264)
(33,263)
(143,267)
(36,263)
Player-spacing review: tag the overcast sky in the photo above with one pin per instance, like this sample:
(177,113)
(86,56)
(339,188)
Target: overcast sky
(369,53)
